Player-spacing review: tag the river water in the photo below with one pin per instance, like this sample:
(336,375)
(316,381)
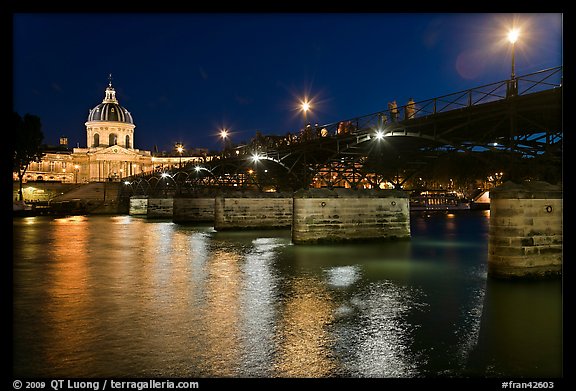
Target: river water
(123,296)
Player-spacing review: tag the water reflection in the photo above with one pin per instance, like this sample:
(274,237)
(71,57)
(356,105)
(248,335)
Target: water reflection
(220,316)
(521,330)
(124,296)
(260,298)
(374,335)
(66,294)
(304,341)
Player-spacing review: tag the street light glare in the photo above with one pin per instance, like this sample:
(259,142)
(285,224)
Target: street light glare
(223,133)
(305,106)
(513,35)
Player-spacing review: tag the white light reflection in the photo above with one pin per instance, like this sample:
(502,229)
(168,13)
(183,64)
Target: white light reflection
(469,333)
(380,343)
(258,304)
(343,276)
(198,254)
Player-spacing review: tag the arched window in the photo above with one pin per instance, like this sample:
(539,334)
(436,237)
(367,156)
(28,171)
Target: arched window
(112,139)
(96,142)
(128,141)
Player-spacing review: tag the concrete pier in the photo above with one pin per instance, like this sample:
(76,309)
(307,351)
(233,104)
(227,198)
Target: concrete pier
(341,215)
(193,209)
(160,208)
(138,206)
(525,235)
(252,210)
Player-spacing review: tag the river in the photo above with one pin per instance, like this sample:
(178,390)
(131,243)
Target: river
(123,296)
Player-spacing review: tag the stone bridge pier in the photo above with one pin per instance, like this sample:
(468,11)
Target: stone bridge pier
(343,215)
(525,235)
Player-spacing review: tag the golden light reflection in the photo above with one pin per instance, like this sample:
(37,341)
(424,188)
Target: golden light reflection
(305,346)
(68,294)
(220,319)
(168,296)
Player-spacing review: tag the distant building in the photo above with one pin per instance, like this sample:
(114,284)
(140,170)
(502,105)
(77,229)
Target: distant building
(109,154)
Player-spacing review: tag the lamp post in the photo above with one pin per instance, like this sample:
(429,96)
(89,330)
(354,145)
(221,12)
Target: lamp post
(76,168)
(180,149)
(512,38)
(224,136)
(305,107)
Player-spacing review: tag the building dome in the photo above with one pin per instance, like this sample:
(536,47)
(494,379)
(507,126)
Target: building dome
(109,110)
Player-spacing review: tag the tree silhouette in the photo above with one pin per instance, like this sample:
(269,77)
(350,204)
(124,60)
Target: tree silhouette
(27,144)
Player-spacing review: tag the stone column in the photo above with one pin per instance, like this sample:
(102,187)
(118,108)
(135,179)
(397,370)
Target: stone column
(341,215)
(525,235)
(193,209)
(160,208)
(252,210)
(138,205)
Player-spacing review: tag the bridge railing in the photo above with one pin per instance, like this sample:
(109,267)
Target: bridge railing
(360,126)
(539,81)
(501,90)
(530,83)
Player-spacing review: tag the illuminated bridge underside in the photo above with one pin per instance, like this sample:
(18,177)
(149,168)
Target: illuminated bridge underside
(368,151)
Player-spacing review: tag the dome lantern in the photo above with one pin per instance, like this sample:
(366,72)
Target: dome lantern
(110,110)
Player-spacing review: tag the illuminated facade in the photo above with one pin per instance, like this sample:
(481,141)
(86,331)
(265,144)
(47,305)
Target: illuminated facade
(109,154)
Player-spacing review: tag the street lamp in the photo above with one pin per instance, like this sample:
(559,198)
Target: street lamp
(224,135)
(180,149)
(76,168)
(305,107)
(306,131)
(512,38)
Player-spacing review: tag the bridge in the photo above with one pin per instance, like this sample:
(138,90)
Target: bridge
(514,123)
(311,181)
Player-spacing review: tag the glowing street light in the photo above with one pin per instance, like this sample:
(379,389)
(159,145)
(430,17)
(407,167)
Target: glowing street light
(76,169)
(224,136)
(256,157)
(305,106)
(180,149)
(512,38)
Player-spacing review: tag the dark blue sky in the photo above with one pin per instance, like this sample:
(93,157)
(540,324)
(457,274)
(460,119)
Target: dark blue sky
(184,76)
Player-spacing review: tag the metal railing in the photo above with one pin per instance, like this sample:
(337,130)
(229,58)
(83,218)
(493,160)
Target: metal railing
(498,91)
(546,79)
(531,83)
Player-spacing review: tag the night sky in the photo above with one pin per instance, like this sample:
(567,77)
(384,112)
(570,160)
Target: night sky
(185,76)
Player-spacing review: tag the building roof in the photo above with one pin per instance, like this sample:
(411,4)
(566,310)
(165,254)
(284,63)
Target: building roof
(110,110)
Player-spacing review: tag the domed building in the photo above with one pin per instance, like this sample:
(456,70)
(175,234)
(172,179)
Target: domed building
(120,132)
(109,154)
